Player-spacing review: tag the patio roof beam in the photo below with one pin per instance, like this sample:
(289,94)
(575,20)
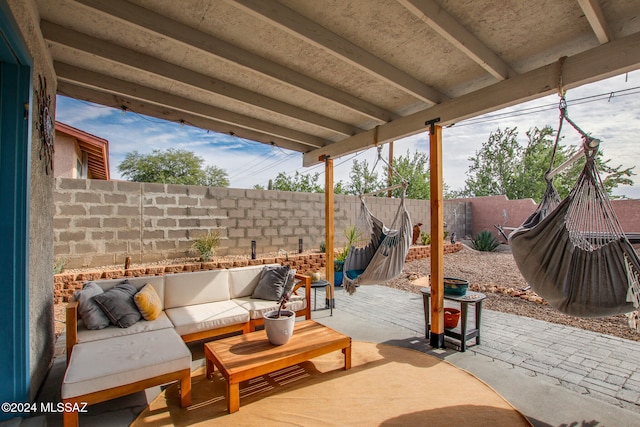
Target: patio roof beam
(596,19)
(152,21)
(115,100)
(62,36)
(105,83)
(449,28)
(302,27)
(607,60)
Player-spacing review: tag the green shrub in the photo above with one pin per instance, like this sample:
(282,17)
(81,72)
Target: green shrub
(425,238)
(484,241)
(323,246)
(206,245)
(352,234)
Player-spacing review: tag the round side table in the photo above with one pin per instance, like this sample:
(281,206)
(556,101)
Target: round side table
(315,286)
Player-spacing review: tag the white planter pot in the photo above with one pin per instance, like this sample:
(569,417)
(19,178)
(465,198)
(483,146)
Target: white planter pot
(279,330)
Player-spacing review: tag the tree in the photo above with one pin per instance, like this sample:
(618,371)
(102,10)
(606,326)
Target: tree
(215,177)
(363,180)
(494,166)
(298,182)
(171,167)
(415,170)
(503,166)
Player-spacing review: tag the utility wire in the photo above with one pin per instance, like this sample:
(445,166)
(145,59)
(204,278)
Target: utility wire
(548,107)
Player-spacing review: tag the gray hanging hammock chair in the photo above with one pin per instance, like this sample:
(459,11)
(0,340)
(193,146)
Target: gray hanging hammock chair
(573,252)
(383,253)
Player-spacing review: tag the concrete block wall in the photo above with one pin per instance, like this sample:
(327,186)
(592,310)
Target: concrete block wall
(103,222)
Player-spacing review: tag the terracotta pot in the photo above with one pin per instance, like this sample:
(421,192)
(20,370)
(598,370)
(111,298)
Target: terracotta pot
(279,330)
(451,317)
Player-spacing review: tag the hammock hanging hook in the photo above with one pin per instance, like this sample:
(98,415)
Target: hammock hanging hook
(561,90)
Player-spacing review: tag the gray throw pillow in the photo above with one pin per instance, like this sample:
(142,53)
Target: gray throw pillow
(119,306)
(90,313)
(272,282)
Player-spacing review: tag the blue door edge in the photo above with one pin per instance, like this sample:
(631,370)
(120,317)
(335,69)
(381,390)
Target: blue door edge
(15,146)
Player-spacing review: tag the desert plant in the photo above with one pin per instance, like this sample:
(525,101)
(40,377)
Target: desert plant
(352,234)
(206,245)
(484,241)
(323,246)
(286,254)
(283,302)
(425,238)
(59,264)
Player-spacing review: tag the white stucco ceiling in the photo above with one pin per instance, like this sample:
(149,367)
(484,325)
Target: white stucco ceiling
(330,77)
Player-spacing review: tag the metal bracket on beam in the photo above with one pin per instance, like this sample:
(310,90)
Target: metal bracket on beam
(432,124)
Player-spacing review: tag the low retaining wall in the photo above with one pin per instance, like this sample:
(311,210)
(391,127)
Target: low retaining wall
(65,284)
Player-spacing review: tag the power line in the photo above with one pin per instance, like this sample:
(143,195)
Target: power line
(548,107)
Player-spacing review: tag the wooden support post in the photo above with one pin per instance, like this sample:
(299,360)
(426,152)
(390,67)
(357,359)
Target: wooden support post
(436,339)
(329,233)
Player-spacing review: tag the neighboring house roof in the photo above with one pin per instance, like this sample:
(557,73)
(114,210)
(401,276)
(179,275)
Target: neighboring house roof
(96,148)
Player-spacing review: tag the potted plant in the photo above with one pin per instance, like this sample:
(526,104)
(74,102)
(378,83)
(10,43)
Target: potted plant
(338,265)
(352,234)
(278,324)
(206,245)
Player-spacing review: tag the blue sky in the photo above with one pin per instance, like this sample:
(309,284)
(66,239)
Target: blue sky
(608,110)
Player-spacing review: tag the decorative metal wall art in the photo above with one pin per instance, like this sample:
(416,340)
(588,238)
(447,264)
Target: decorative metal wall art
(46,125)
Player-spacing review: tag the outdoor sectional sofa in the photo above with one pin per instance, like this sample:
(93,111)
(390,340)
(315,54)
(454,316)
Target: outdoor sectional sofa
(114,361)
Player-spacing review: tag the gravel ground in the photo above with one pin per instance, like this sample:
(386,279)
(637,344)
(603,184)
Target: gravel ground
(496,275)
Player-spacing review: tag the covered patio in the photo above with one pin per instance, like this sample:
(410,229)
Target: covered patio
(323,78)
(531,363)
(329,79)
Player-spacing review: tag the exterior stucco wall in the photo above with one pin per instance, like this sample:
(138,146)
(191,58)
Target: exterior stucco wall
(41,325)
(490,210)
(65,157)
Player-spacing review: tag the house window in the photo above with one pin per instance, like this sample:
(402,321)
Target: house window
(82,166)
(79,171)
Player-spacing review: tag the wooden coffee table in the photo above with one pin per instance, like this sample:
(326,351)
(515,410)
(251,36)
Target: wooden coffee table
(251,355)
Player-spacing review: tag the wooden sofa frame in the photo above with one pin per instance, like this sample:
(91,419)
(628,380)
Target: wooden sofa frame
(70,418)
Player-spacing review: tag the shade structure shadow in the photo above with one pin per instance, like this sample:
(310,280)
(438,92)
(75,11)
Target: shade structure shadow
(384,384)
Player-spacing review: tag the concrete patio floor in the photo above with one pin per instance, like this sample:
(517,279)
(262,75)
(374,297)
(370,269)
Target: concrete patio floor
(555,375)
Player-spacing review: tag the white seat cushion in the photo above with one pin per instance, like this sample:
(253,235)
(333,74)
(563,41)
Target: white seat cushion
(203,317)
(100,365)
(86,335)
(258,307)
(200,287)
